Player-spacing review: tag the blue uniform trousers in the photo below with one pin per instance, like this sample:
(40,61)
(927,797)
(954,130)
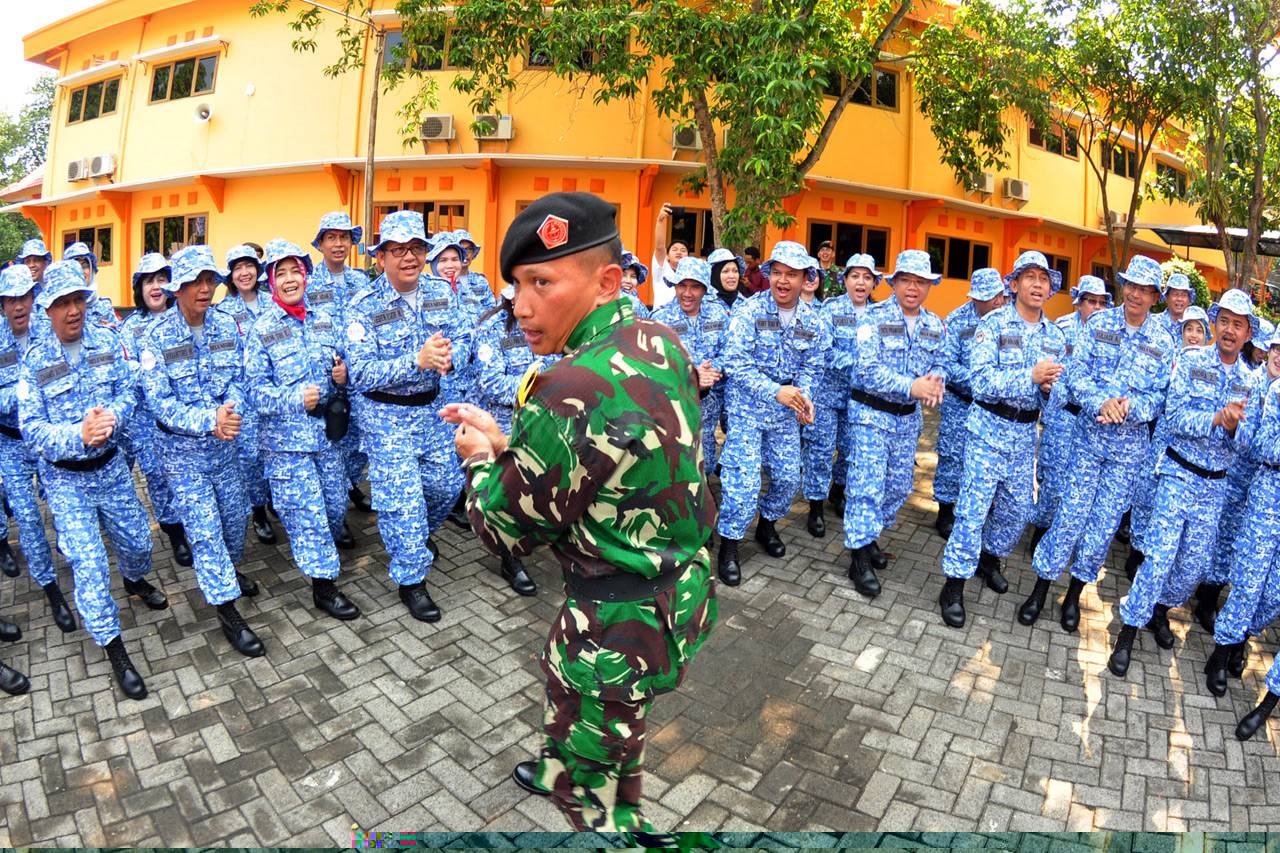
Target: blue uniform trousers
(250,460)
(309,491)
(712,405)
(751,448)
(879,480)
(1096,494)
(1229,528)
(353,460)
(1057,439)
(214,508)
(994,505)
(952,435)
(143,430)
(1255,582)
(20,485)
(829,444)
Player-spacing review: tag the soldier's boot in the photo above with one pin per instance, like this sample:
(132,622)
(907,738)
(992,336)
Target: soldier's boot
(525,774)
(61,610)
(248,586)
(177,536)
(516,577)
(1159,626)
(127,676)
(951,602)
(8,564)
(1029,612)
(262,526)
(767,536)
(1132,563)
(879,561)
(817,525)
(344,539)
(1124,532)
(152,597)
(1036,535)
(1215,670)
(9,632)
(1253,720)
(13,682)
(946,519)
(458,515)
(1207,595)
(326,595)
(418,602)
(359,499)
(238,632)
(1236,661)
(989,571)
(835,499)
(1119,660)
(727,566)
(863,573)
(1069,614)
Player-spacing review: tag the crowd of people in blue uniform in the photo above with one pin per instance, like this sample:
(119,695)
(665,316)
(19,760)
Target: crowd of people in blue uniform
(275,397)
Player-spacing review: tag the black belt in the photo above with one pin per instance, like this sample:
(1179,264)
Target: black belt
(956,392)
(881,404)
(1010,413)
(424,399)
(1072,409)
(12,432)
(1204,473)
(164,429)
(623,586)
(83,465)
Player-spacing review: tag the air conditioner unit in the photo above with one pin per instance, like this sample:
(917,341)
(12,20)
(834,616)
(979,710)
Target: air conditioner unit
(437,127)
(102,165)
(78,170)
(983,182)
(1114,219)
(495,127)
(1017,190)
(686,139)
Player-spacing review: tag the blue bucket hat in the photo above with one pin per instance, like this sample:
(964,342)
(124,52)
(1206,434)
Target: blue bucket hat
(630,261)
(1145,272)
(61,278)
(1177,281)
(35,249)
(461,236)
(985,284)
(915,262)
(793,255)
(149,264)
(1031,260)
(444,240)
(187,264)
(403,226)
(278,249)
(1195,312)
(337,221)
(1237,302)
(1262,337)
(79,250)
(1090,285)
(694,269)
(16,281)
(866,262)
(723,256)
(244,252)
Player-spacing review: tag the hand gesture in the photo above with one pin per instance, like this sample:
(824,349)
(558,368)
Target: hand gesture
(708,375)
(310,397)
(436,354)
(227,427)
(665,213)
(97,427)
(1045,373)
(477,431)
(1230,415)
(793,398)
(339,372)
(928,390)
(1114,411)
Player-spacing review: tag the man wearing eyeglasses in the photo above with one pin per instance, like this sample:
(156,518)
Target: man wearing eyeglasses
(402,337)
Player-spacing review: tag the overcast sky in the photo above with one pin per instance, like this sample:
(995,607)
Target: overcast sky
(20,18)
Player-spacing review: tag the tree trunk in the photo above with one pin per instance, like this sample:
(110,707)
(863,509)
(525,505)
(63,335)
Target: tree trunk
(711,157)
(1262,126)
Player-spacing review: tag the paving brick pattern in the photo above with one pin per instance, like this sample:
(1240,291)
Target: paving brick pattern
(811,709)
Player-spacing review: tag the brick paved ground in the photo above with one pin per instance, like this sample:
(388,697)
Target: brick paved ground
(810,709)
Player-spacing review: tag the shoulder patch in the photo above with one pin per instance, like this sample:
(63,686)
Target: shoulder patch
(527,382)
(45,375)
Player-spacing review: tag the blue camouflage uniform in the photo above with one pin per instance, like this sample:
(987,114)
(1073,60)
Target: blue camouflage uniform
(473,287)
(504,357)
(630,261)
(35,248)
(85,486)
(459,385)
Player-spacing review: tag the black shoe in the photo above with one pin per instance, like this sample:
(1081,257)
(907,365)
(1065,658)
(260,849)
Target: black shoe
(946,519)
(1159,626)
(1123,532)
(326,596)
(863,573)
(248,586)
(1132,563)
(262,526)
(458,515)
(8,564)
(1239,656)
(525,775)
(431,546)
(817,525)
(951,602)
(13,682)
(727,566)
(61,610)
(127,676)
(178,542)
(238,633)
(344,540)
(989,570)
(1215,670)
(1069,614)
(271,508)
(879,561)
(418,601)
(835,499)
(1255,718)
(1029,612)
(1207,595)
(516,577)
(359,499)
(1036,535)
(1119,660)
(9,632)
(152,597)
(767,536)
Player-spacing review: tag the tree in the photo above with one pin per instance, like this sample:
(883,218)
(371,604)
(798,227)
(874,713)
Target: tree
(24,141)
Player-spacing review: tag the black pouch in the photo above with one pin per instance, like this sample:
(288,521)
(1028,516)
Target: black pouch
(337,416)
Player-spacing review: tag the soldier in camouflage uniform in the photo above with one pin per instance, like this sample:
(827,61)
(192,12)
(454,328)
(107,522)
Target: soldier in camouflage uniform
(613,487)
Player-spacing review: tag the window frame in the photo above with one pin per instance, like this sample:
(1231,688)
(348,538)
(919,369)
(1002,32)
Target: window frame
(77,235)
(430,210)
(1061,263)
(186,231)
(702,231)
(83,92)
(865,229)
(1064,132)
(585,63)
(1130,160)
(871,80)
(946,257)
(1181,181)
(170,67)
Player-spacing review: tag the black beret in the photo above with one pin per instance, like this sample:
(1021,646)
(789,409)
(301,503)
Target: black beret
(557,225)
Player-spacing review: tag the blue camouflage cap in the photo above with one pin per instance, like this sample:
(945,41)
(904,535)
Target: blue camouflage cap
(1176,281)
(693,269)
(278,249)
(866,262)
(915,262)
(35,248)
(1090,285)
(402,226)
(1196,313)
(723,256)
(1031,259)
(630,261)
(444,240)
(1143,271)
(1262,336)
(79,250)
(187,264)
(61,278)
(986,284)
(793,255)
(16,281)
(1237,302)
(461,236)
(242,252)
(337,221)
(149,264)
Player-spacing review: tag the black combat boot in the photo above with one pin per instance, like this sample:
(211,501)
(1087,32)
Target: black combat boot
(1255,718)
(458,515)
(344,540)
(1029,612)
(248,586)
(13,682)
(238,632)
(359,499)
(152,597)
(9,632)
(1036,535)
(514,574)
(418,601)
(326,595)
(1159,626)
(8,563)
(946,519)
(525,774)
(1215,670)
(177,536)
(127,676)
(863,573)
(879,561)
(1207,605)
(1119,661)
(727,566)
(262,526)
(58,604)
(1069,615)
(835,499)
(951,602)
(767,536)
(1132,563)
(989,570)
(1239,656)
(817,525)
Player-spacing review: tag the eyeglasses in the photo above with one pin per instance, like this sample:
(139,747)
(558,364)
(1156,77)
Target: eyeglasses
(418,249)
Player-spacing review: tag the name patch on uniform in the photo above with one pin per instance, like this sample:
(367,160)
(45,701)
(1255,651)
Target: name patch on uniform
(323,326)
(1051,350)
(513,341)
(275,336)
(1239,388)
(892,330)
(182,353)
(768,323)
(45,375)
(713,326)
(1199,374)
(1154,352)
(679,328)
(320,297)
(1010,341)
(1105,337)
(222,346)
(100,358)
(845,321)
(8,358)
(382,318)
(804,334)
(139,330)
(930,335)
(241,316)
(968,333)
(435,305)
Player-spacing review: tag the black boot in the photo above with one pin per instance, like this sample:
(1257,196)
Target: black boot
(514,574)
(863,573)
(1123,532)
(1215,670)
(879,561)
(525,774)
(152,597)
(8,564)
(1036,535)
(989,570)
(727,566)
(1069,614)
(1132,563)
(178,542)
(946,519)
(1029,612)
(127,676)
(458,515)
(262,526)
(9,632)
(835,499)
(767,536)
(344,540)
(326,595)
(359,499)
(1207,604)
(13,682)
(1255,718)
(431,546)
(248,586)
(58,604)
(951,602)
(1119,661)
(817,524)
(1159,626)
(237,632)
(418,601)
(1238,658)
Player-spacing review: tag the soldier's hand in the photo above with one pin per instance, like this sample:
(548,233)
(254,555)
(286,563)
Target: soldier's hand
(310,397)
(1046,372)
(928,390)
(97,426)
(436,354)
(1113,411)
(227,425)
(339,372)
(793,398)
(1230,415)
(478,422)
(665,213)
(707,375)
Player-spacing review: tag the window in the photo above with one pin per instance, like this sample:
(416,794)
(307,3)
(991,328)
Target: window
(96,237)
(1122,161)
(184,78)
(438,60)
(538,54)
(849,239)
(438,215)
(958,258)
(171,233)
(1171,181)
(693,226)
(880,89)
(1060,263)
(1102,271)
(94,100)
(1059,139)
